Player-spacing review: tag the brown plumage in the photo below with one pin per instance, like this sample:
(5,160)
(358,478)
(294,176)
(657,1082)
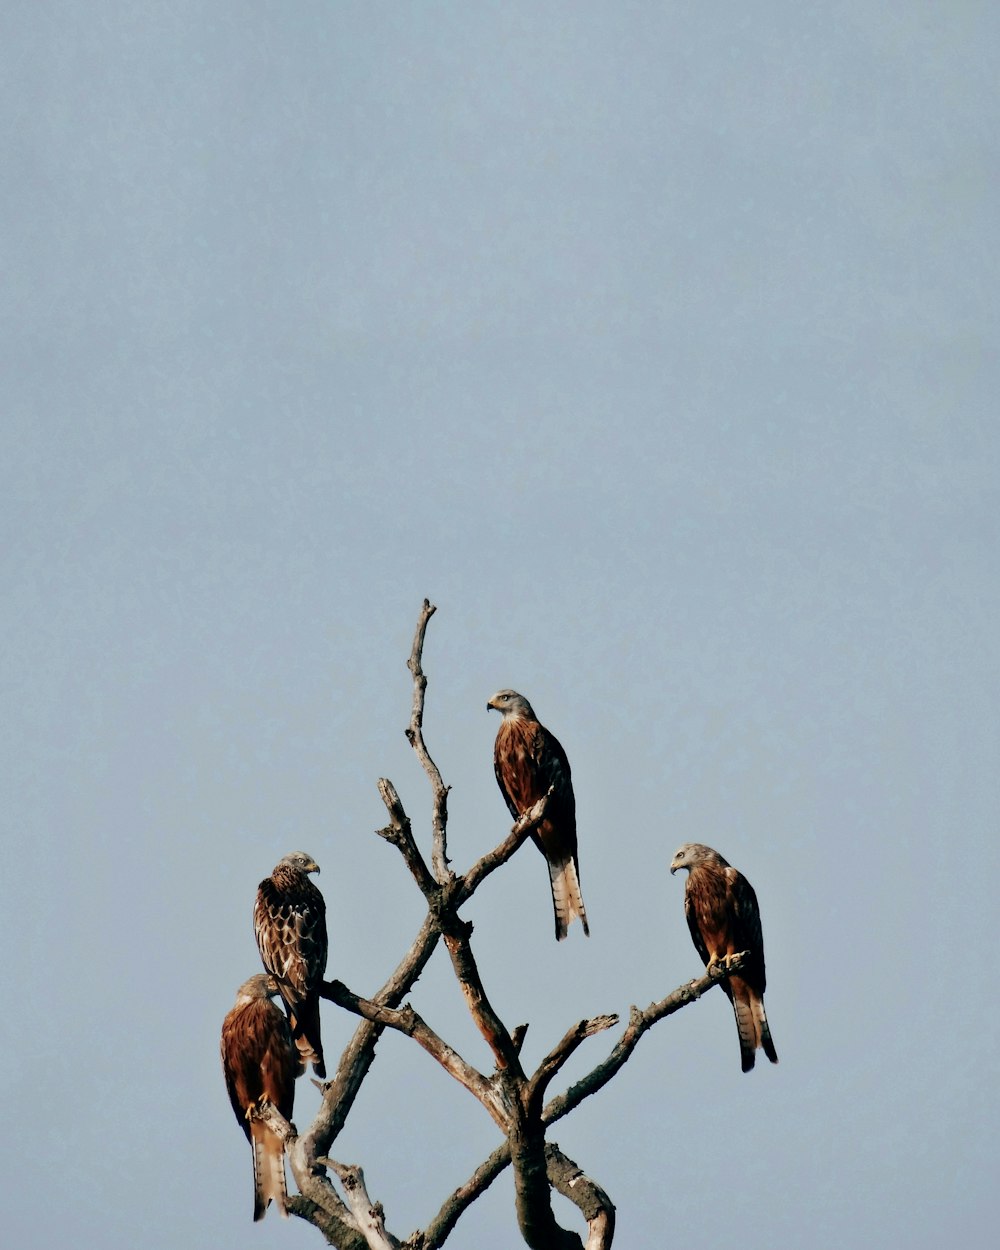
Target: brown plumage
(260,1062)
(528,759)
(722,914)
(289,920)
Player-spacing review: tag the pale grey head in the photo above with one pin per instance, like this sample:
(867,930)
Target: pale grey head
(300,861)
(510,703)
(693,853)
(258,986)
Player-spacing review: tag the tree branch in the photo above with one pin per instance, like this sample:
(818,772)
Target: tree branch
(336,1232)
(407,1021)
(595,1205)
(639,1023)
(368,1215)
(455,1205)
(493,1029)
(492,860)
(533,1193)
(339,1094)
(559,1054)
(415,734)
(400,833)
(314,1187)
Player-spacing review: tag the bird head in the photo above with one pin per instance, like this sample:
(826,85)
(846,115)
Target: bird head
(301,862)
(258,986)
(691,854)
(510,703)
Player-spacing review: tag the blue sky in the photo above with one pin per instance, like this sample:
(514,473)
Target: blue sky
(656,345)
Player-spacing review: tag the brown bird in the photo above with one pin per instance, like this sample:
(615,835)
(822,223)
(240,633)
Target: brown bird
(260,1063)
(722,913)
(289,920)
(528,759)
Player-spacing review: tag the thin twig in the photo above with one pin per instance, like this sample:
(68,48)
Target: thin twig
(415,735)
(400,833)
(492,860)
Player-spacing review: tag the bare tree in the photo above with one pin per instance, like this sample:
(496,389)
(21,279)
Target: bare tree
(517,1100)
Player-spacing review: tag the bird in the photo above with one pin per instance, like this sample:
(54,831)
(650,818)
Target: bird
(722,914)
(260,1062)
(528,760)
(289,921)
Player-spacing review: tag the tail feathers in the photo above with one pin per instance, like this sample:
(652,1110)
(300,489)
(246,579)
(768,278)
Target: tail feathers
(567,901)
(764,1032)
(268,1172)
(745,1027)
(304,1023)
(751,1023)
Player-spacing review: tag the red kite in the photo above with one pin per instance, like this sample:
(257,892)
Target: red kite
(260,1062)
(289,919)
(528,760)
(721,910)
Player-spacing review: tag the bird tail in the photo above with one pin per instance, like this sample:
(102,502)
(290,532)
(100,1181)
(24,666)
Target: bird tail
(268,1172)
(304,1022)
(567,901)
(763,1031)
(742,1000)
(751,1022)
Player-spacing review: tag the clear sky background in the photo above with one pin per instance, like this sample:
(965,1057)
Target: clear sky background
(657,345)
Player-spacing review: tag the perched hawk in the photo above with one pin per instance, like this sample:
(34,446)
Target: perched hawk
(722,914)
(289,919)
(528,760)
(260,1062)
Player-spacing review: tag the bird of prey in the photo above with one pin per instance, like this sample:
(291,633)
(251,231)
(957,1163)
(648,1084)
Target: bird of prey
(528,759)
(721,910)
(289,919)
(260,1063)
